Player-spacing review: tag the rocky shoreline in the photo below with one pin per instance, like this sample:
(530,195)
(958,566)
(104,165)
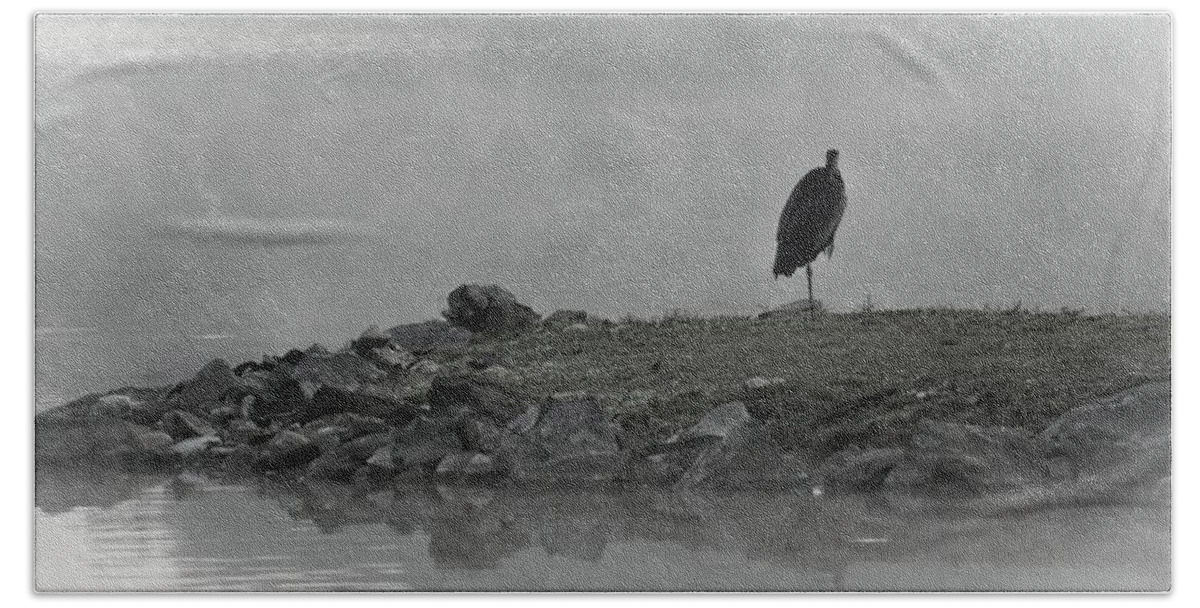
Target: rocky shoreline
(382,412)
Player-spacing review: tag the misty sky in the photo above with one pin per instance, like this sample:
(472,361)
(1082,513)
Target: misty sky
(299,178)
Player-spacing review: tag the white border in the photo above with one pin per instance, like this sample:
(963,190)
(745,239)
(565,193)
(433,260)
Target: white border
(17,243)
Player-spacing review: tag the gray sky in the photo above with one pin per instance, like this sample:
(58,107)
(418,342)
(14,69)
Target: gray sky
(300,178)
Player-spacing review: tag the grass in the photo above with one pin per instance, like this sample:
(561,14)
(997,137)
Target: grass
(864,377)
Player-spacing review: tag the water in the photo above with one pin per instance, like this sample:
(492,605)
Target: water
(116,532)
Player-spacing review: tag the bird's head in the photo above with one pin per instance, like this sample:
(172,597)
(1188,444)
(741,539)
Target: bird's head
(831,157)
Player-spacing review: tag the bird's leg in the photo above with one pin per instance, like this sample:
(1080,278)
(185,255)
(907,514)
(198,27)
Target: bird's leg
(811,311)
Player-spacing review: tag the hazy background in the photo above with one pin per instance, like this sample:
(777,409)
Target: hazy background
(235,185)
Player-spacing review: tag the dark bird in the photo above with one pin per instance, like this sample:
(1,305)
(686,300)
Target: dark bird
(810,219)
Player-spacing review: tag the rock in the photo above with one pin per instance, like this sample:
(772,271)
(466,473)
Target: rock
(663,466)
(489,310)
(345,426)
(718,422)
(185,484)
(194,446)
(1106,438)
(142,406)
(466,465)
(225,414)
(455,395)
(182,425)
(726,448)
(430,336)
(332,401)
(500,374)
(266,394)
(560,319)
(149,443)
(104,441)
(204,391)
(382,458)
(737,452)
(576,327)
(240,431)
(639,400)
(953,458)
(392,356)
(425,366)
(856,469)
(425,441)
(570,396)
(341,463)
(344,371)
(758,383)
(525,422)
(381,348)
(287,449)
(120,406)
(114,406)
(480,434)
(944,473)
(370,340)
(571,443)
(482,361)
(327,438)
(799,307)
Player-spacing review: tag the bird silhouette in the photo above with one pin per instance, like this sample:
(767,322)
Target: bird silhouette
(810,220)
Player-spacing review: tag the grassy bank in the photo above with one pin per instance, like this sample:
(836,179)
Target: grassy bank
(863,377)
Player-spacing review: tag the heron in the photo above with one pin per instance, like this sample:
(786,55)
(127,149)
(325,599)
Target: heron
(810,220)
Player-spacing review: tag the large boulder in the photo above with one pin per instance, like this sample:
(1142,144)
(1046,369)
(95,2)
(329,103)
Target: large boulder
(204,391)
(466,466)
(382,349)
(100,441)
(481,434)
(145,411)
(181,425)
(475,396)
(430,336)
(726,448)
(489,309)
(571,442)
(857,469)
(287,449)
(424,442)
(340,463)
(343,427)
(345,371)
(143,406)
(266,393)
(1129,429)
(946,457)
(330,400)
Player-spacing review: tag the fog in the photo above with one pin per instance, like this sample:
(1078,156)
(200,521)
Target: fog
(298,178)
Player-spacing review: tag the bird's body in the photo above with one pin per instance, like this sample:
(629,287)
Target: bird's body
(810,219)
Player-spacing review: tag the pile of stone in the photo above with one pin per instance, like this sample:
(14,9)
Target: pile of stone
(382,411)
(1118,448)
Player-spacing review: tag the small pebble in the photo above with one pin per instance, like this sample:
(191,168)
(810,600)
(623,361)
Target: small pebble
(425,366)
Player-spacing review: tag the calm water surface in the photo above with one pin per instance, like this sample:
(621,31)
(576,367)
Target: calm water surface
(117,532)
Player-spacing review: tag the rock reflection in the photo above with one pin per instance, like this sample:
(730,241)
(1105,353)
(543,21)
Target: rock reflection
(522,539)
(59,490)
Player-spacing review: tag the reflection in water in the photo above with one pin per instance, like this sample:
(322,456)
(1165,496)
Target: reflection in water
(145,533)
